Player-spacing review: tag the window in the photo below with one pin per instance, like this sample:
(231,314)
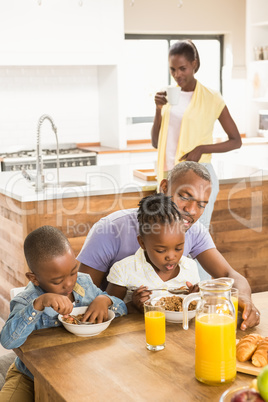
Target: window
(146,70)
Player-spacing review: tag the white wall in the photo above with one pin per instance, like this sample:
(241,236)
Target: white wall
(68,94)
(53,70)
(195,16)
(52,59)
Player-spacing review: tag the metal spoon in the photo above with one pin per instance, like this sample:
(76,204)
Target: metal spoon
(174,291)
(80,322)
(178,291)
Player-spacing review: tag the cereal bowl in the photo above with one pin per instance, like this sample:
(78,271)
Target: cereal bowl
(174,316)
(85,329)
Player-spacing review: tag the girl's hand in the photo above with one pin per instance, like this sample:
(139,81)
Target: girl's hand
(140,296)
(192,288)
(160,99)
(98,309)
(61,304)
(193,155)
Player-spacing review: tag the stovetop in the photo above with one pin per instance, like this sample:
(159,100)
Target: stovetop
(68,157)
(46,152)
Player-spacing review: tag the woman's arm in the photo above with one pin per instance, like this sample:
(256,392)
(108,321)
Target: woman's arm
(233,142)
(160,101)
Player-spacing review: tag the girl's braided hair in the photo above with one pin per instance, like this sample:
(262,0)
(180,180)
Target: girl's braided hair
(156,209)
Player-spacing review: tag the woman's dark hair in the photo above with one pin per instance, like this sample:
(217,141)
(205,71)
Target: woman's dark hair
(156,209)
(187,49)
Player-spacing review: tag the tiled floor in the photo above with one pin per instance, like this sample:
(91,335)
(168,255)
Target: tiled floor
(2,350)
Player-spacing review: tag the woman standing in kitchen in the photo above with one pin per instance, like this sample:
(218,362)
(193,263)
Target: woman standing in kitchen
(183,132)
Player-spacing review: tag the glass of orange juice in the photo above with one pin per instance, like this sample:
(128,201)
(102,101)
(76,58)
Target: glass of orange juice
(234,298)
(155,325)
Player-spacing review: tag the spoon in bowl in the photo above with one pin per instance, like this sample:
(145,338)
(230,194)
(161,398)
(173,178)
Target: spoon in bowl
(175,291)
(80,322)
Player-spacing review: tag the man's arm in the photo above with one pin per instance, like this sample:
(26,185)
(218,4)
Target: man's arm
(96,276)
(116,290)
(217,266)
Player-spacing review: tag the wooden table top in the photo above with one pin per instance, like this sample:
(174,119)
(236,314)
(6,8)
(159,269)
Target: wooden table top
(116,365)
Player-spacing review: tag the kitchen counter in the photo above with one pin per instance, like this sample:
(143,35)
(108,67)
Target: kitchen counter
(103,180)
(132,146)
(99,180)
(146,145)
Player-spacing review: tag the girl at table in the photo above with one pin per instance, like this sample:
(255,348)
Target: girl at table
(159,262)
(55,288)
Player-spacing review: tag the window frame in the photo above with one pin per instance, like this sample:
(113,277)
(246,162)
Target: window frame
(169,38)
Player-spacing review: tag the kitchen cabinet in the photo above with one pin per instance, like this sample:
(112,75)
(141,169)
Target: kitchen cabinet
(253,154)
(257,61)
(60,32)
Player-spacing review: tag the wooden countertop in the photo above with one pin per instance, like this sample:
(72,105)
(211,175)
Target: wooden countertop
(132,146)
(117,364)
(146,146)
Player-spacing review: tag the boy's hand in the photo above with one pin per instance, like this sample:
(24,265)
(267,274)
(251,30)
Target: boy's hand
(140,296)
(98,309)
(61,304)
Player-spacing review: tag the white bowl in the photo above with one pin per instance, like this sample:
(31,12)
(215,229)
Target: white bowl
(174,316)
(84,329)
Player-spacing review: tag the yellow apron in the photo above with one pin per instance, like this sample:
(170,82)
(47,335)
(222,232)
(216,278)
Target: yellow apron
(196,127)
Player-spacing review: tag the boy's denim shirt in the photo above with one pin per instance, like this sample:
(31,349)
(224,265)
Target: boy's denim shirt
(24,319)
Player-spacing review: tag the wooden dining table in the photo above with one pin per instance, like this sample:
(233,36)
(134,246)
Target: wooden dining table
(116,366)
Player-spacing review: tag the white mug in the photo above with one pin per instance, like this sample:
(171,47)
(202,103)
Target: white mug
(173,94)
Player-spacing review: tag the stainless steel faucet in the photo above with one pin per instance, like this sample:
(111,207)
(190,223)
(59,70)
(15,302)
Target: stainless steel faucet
(40,181)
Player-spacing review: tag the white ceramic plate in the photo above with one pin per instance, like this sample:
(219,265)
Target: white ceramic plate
(86,330)
(174,316)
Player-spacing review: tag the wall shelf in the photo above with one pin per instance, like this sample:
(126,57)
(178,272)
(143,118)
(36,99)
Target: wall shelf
(260,100)
(260,24)
(259,62)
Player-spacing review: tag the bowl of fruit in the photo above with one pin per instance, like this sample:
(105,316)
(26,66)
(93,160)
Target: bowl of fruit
(256,391)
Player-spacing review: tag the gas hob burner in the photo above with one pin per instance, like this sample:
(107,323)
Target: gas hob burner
(69,157)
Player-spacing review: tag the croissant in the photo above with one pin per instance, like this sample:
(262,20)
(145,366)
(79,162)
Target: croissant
(260,356)
(247,346)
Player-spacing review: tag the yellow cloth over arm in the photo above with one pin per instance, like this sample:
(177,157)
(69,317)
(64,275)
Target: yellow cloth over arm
(196,127)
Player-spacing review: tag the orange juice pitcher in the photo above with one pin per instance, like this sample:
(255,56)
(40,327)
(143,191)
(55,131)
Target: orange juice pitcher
(215,331)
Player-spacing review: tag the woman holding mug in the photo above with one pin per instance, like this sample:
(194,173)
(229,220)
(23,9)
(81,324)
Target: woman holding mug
(183,132)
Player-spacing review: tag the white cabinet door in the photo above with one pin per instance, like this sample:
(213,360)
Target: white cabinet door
(61,32)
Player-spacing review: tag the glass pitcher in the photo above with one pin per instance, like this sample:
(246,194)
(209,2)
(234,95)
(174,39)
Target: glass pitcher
(215,343)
